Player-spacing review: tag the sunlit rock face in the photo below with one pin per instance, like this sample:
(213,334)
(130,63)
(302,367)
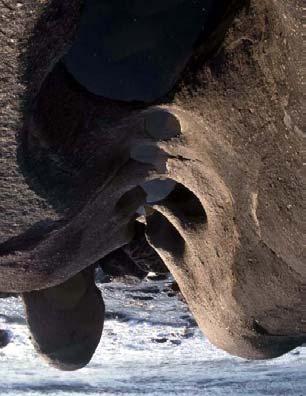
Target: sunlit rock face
(136,50)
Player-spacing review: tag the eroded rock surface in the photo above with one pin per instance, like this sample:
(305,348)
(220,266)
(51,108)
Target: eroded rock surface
(229,227)
(66,321)
(33,36)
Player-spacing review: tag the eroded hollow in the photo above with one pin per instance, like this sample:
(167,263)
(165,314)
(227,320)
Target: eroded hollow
(164,236)
(180,203)
(136,50)
(129,51)
(185,205)
(130,201)
(62,139)
(138,257)
(166,195)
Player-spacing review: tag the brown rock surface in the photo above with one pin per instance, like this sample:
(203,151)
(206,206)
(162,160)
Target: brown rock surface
(231,232)
(66,321)
(33,36)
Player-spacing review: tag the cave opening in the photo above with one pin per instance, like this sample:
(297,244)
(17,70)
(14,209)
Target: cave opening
(154,230)
(135,50)
(126,56)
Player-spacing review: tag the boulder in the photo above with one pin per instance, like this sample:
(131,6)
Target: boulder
(66,321)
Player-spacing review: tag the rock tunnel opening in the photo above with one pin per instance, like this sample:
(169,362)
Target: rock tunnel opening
(154,232)
(135,50)
(186,205)
(125,56)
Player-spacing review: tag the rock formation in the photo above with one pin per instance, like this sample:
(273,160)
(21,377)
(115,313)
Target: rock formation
(77,170)
(66,321)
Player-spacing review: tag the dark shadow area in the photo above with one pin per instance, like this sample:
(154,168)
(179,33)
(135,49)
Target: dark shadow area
(206,49)
(186,206)
(62,134)
(164,236)
(119,265)
(136,51)
(66,321)
(142,254)
(5,338)
(269,346)
(59,137)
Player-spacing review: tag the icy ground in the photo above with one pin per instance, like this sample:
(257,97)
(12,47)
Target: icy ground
(150,346)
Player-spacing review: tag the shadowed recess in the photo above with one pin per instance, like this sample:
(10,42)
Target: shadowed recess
(136,50)
(5,338)
(185,205)
(130,201)
(63,329)
(164,236)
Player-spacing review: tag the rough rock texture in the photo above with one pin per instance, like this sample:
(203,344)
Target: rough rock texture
(66,321)
(246,168)
(33,36)
(231,231)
